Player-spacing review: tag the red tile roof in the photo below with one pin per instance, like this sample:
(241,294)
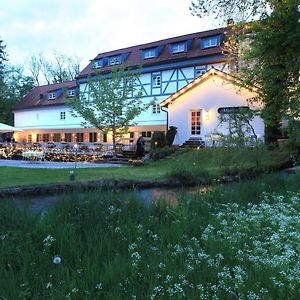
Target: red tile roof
(135,57)
(38,97)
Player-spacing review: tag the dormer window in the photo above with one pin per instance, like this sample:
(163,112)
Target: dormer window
(213,41)
(51,96)
(71,93)
(179,48)
(98,64)
(114,60)
(150,53)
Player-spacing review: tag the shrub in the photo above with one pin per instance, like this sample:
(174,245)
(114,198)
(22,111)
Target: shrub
(170,136)
(159,153)
(158,140)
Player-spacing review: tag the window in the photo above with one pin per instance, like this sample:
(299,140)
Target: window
(62,115)
(115,60)
(38,137)
(51,96)
(178,48)
(93,137)
(98,64)
(156,80)
(68,137)
(149,53)
(71,93)
(199,71)
(146,134)
(46,137)
(29,138)
(155,109)
(56,137)
(79,137)
(210,42)
(104,137)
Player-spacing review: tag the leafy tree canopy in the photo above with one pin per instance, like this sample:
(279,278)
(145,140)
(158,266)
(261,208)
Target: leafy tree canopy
(111,103)
(267,52)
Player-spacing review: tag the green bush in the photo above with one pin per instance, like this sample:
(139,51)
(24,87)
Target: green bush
(159,153)
(158,140)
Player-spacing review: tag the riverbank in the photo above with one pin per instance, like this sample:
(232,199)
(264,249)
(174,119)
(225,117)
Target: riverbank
(110,245)
(187,167)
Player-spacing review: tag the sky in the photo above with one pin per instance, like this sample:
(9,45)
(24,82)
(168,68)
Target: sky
(84,28)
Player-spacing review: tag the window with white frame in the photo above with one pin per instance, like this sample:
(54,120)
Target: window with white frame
(155,108)
(210,42)
(149,53)
(71,93)
(178,48)
(97,64)
(115,60)
(62,115)
(51,96)
(156,80)
(199,71)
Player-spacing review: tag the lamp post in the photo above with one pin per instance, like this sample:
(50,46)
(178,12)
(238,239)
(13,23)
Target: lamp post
(76,149)
(72,173)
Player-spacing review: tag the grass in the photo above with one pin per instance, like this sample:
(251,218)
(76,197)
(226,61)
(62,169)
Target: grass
(232,242)
(194,164)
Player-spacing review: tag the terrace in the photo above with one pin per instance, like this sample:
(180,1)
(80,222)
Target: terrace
(66,152)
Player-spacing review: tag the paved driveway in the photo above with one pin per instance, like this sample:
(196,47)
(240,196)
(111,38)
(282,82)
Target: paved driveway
(54,165)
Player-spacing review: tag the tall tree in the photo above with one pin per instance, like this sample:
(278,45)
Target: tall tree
(3,102)
(270,58)
(112,103)
(16,86)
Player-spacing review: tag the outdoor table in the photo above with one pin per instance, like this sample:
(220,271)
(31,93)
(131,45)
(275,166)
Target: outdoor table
(33,155)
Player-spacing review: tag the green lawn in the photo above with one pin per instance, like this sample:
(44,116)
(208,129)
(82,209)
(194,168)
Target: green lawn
(205,163)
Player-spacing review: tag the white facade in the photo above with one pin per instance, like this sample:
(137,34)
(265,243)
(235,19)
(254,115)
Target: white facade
(205,96)
(171,80)
(52,117)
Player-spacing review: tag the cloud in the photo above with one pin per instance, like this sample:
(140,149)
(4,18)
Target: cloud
(86,28)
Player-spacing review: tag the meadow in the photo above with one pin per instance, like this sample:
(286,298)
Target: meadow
(231,242)
(203,164)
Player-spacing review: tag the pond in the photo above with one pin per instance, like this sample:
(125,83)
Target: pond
(41,204)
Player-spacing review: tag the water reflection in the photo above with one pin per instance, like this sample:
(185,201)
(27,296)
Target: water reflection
(41,204)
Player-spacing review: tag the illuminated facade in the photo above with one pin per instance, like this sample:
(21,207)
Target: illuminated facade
(166,67)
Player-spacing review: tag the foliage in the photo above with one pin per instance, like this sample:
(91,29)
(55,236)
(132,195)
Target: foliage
(112,103)
(14,85)
(159,153)
(170,136)
(242,10)
(274,46)
(240,131)
(158,140)
(114,247)
(56,68)
(208,164)
(215,162)
(269,56)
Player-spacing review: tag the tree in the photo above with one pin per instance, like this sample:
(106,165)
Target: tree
(270,59)
(112,103)
(15,86)
(58,68)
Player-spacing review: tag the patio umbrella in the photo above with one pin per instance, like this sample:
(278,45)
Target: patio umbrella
(7,128)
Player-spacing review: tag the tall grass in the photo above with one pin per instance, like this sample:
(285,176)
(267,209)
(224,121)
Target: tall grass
(216,162)
(232,242)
